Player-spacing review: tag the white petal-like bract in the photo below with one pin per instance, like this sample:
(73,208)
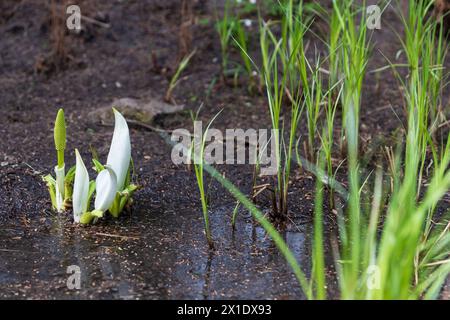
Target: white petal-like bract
(119,156)
(80,188)
(106,189)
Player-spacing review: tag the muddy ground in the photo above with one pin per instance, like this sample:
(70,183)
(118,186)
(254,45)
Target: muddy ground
(158,250)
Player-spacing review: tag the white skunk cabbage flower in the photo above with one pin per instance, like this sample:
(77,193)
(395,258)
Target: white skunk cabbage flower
(119,155)
(112,186)
(80,195)
(106,188)
(59,187)
(106,185)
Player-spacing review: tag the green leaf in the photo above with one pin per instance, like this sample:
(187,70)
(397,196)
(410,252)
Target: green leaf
(51,184)
(97,166)
(130,173)
(68,184)
(70,175)
(87,217)
(114,210)
(97,213)
(130,189)
(121,200)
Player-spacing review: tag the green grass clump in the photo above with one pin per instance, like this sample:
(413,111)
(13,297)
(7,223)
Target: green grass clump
(285,72)
(392,241)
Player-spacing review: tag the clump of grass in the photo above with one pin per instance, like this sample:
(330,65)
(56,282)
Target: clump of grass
(408,218)
(405,258)
(286,56)
(395,254)
(425,51)
(405,222)
(197,154)
(394,247)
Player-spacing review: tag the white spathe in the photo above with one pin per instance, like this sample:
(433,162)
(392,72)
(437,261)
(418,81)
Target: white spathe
(119,155)
(80,188)
(59,187)
(106,186)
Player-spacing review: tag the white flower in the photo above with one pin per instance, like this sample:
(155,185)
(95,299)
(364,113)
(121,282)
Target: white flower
(119,155)
(80,188)
(253,1)
(106,186)
(110,180)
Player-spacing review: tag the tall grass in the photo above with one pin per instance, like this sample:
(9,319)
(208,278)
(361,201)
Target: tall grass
(353,58)
(389,251)
(409,213)
(425,52)
(406,220)
(285,73)
(396,245)
(393,255)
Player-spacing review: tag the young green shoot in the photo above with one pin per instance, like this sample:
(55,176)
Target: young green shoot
(60,137)
(197,154)
(61,186)
(175,78)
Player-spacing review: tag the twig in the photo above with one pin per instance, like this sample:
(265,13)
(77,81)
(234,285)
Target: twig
(115,236)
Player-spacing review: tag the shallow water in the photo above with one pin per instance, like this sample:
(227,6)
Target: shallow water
(150,254)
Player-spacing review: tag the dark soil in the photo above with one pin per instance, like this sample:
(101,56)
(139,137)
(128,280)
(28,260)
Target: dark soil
(158,250)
